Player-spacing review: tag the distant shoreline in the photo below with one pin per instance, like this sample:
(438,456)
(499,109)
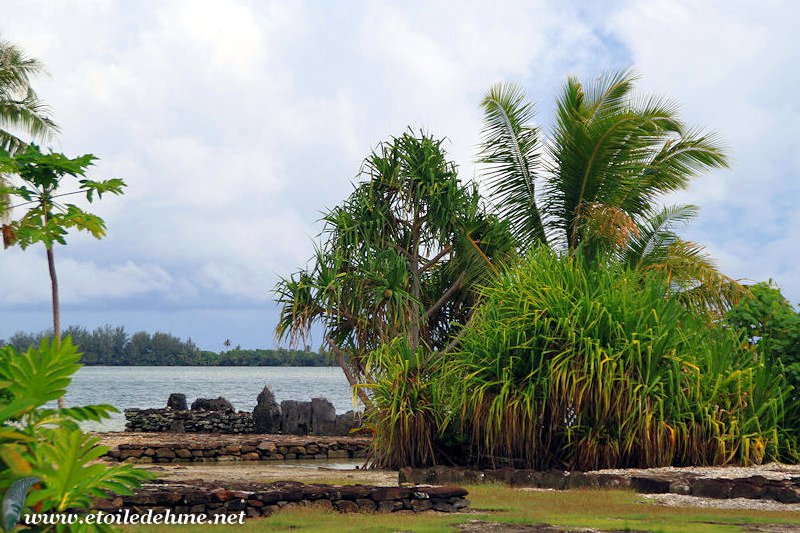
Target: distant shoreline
(113,346)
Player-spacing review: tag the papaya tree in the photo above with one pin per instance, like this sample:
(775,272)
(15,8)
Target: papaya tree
(37,186)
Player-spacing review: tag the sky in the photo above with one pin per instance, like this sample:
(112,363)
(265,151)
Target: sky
(236,123)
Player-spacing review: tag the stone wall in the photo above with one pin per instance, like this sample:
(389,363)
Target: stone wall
(204,448)
(167,420)
(766,485)
(257,500)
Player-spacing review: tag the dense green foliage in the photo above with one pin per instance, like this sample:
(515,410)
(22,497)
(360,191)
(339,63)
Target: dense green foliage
(586,368)
(47,444)
(113,346)
(602,348)
(772,325)
(408,393)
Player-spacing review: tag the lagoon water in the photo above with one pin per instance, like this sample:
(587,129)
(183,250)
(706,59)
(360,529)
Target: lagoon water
(150,386)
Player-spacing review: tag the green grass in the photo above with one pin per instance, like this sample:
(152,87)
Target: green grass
(600,509)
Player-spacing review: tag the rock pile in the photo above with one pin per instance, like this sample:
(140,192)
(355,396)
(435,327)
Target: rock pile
(258,500)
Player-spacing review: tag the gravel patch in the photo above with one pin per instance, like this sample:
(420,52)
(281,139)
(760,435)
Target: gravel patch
(680,500)
(769,471)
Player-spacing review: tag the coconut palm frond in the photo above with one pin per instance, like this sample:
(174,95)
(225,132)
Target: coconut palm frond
(510,150)
(655,235)
(21,111)
(30,115)
(694,278)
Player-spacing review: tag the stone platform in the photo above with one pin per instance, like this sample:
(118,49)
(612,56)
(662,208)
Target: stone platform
(209,447)
(258,499)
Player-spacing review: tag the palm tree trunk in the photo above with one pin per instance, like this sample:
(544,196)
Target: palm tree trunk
(51,265)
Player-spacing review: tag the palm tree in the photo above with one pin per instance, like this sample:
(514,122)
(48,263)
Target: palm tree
(22,113)
(21,110)
(596,182)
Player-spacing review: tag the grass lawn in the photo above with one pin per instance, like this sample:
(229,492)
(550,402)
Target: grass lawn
(601,509)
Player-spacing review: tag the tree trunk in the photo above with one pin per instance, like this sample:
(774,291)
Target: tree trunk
(413,266)
(51,265)
(351,379)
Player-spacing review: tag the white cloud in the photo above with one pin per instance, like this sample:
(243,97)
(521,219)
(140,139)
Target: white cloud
(79,281)
(235,122)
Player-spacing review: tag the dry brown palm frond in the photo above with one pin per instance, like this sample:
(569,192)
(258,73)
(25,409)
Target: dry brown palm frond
(608,223)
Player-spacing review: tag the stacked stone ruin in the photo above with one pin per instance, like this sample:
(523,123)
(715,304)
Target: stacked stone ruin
(290,417)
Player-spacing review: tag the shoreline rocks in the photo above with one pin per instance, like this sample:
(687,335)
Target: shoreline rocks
(177,402)
(216,404)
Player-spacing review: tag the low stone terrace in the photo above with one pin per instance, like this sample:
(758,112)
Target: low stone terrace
(209,447)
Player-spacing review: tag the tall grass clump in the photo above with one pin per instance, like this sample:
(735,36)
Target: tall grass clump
(569,366)
(406,417)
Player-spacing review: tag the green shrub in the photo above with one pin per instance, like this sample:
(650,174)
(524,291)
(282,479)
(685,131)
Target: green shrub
(772,325)
(406,415)
(566,366)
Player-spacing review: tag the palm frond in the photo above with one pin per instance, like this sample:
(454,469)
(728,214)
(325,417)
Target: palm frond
(21,110)
(28,114)
(696,280)
(510,150)
(656,234)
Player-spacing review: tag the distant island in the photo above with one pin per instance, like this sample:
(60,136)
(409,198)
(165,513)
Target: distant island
(113,346)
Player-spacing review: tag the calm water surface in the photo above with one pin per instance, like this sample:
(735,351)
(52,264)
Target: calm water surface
(150,386)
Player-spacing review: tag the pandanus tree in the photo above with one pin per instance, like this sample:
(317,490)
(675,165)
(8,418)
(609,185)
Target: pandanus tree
(596,183)
(398,258)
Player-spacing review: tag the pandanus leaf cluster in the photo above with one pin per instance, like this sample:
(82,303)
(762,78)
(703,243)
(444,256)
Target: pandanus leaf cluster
(570,366)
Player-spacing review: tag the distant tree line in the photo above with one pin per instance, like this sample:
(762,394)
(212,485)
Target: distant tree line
(113,346)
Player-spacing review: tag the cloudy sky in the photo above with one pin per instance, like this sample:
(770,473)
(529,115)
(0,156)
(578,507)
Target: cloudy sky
(234,123)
